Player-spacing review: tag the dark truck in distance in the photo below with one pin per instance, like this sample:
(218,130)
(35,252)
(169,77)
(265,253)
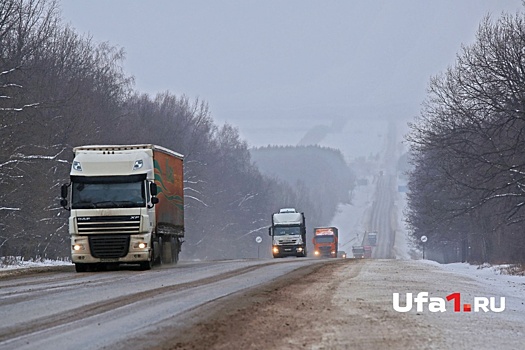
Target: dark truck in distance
(372,238)
(358,252)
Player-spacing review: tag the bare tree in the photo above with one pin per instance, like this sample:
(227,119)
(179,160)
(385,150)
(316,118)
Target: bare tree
(470,137)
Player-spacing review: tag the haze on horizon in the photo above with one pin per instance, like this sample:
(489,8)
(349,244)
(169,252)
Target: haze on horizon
(277,69)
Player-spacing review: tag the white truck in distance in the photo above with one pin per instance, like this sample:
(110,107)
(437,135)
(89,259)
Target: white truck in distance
(126,206)
(289,233)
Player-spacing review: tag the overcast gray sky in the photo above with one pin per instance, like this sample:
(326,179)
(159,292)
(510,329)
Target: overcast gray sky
(269,66)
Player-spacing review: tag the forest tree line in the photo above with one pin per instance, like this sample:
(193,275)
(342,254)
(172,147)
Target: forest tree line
(60,89)
(467,186)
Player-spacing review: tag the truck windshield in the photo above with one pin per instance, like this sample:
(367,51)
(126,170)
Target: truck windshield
(106,194)
(324,239)
(282,231)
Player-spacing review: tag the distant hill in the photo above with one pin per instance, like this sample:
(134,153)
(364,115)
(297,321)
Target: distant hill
(320,173)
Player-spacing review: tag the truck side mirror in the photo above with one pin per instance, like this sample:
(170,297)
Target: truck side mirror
(63,194)
(269,231)
(63,191)
(153,189)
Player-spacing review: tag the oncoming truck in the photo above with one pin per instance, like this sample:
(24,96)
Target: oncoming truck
(126,206)
(325,241)
(288,233)
(358,252)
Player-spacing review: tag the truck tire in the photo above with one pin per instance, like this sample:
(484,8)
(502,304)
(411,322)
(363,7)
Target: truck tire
(157,247)
(81,267)
(167,252)
(146,265)
(175,250)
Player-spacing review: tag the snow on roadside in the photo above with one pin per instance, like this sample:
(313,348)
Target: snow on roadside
(10,263)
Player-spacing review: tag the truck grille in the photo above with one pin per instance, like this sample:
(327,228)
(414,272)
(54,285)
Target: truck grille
(287,242)
(108,224)
(109,246)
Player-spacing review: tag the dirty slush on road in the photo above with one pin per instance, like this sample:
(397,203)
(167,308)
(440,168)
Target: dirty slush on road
(298,311)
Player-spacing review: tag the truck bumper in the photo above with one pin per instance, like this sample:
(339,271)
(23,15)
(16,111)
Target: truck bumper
(324,255)
(108,249)
(325,252)
(131,258)
(288,250)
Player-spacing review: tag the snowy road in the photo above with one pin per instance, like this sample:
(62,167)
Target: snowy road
(348,304)
(382,218)
(292,303)
(63,309)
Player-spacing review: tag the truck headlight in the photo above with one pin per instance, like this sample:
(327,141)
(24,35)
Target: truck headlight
(140,245)
(78,247)
(300,249)
(275,250)
(316,252)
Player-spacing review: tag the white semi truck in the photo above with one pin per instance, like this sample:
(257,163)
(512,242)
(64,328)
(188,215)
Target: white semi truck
(288,233)
(126,206)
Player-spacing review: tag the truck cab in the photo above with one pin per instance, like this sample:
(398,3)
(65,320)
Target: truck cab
(288,232)
(358,252)
(325,242)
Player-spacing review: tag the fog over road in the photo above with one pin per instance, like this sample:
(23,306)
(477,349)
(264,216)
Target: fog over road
(383,217)
(290,303)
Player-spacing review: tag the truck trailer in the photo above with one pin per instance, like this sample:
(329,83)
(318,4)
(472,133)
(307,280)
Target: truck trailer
(325,241)
(368,251)
(126,206)
(288,233)
(372,238)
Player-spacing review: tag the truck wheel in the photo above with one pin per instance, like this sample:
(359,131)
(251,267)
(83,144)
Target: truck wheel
(146,265)
(167,253)
(157,247)
(175,249)
(81,267)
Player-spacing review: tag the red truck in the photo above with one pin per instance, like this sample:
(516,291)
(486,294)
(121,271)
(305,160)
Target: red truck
(325,241)
(368,251)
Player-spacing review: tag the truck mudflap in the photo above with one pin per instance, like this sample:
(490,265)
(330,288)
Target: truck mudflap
(171,247)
